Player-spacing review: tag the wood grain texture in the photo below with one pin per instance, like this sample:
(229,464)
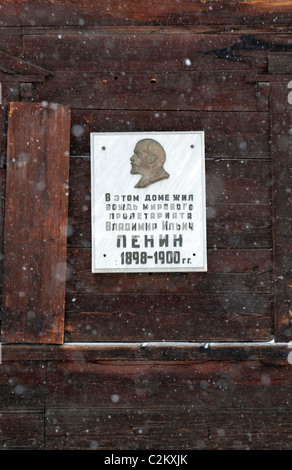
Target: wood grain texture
(183,90)
(280,63)
(169,317)
(85,12)
(22,386)
(21,430)
(121,49)
(145,395)
(281,121)
(22,394)
(164,406)
(36,223)
(167,429)
(195,385)
(264,353)
(240,135)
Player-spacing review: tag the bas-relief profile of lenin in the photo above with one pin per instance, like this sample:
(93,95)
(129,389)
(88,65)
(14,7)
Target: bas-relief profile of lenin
(147,161)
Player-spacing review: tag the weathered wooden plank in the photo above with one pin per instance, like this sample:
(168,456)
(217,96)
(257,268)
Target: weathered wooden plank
(265,353)
(22,401)
(11,40)
(10,92)
(239,226)
(21,430)
(238,182)
(2,193)
(36,222)
(231,271)
(135,49)
(3,143)
(227,134)
(22,386)
(280,63)
(152,385)
(46,13)
(16,79)
(168,317)
(225,428)
(281,121)
(197,91)
(258,30)
(3,125)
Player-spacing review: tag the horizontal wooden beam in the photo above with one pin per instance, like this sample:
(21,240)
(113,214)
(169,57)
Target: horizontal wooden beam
(149,351)
(48,13)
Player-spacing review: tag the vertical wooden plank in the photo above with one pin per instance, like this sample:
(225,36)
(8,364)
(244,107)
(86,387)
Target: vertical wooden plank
(35,231)
(281,144)
(3,145)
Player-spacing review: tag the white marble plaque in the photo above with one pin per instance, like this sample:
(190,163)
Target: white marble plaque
(148,202)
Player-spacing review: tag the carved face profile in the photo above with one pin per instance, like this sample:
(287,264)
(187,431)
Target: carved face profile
(147,160)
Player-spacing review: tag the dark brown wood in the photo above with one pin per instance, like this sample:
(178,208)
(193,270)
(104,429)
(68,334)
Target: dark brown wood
(198,91)
(169,317)
(239,225)
(36,223)
(189,384)
(3,144)
(264,353)
(124,396)
(22,394)
(46,13)
(240,135)
(120,49)
(281,121)
(22,386)
(11,41)
(3,124)
(13,65)
(127,405)
(21,430)
(166,429)
(10,92)
(280,64)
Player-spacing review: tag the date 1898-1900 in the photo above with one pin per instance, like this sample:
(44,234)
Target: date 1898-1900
(159,257)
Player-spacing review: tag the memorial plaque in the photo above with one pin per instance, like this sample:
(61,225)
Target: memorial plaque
(148,202)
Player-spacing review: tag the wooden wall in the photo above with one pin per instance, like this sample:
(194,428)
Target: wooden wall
(151,361)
